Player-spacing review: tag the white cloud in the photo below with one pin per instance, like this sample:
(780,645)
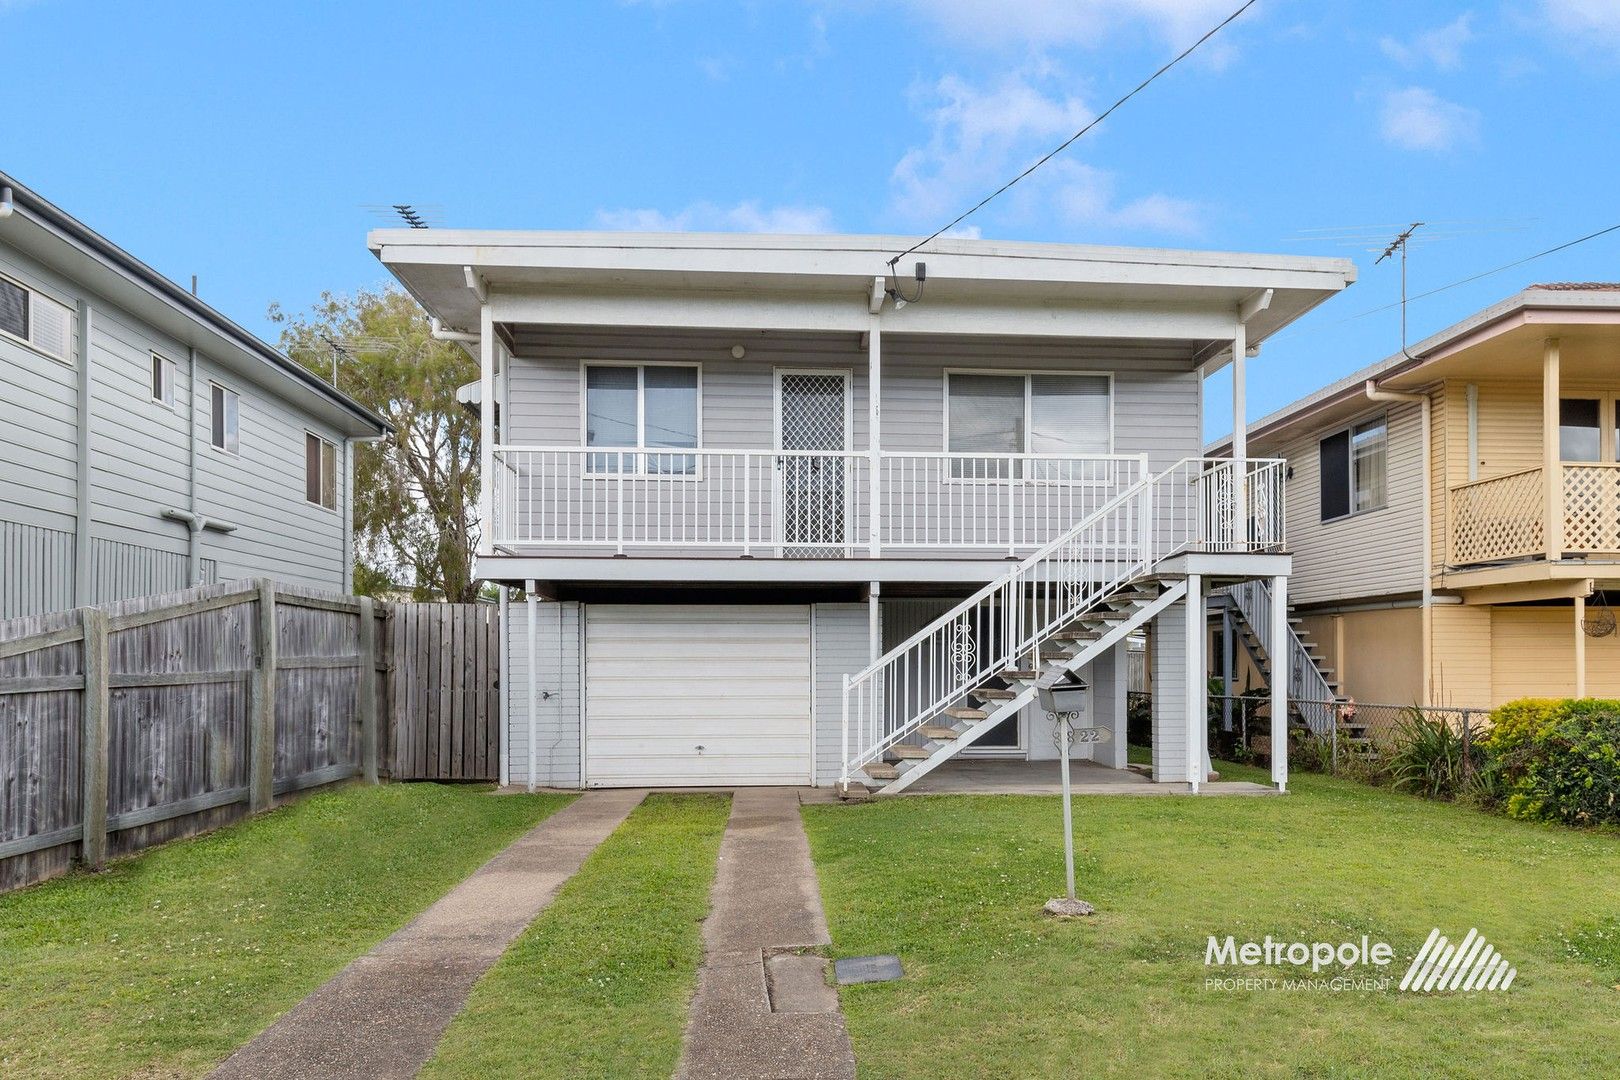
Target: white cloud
(1416,118)
(1069,22)
(1442,46)
(980,136)
(747,216)
(1589,22)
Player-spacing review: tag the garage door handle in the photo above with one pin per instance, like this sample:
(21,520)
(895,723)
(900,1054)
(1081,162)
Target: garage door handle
(698,748)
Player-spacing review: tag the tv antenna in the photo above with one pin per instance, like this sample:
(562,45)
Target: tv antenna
(1400,244)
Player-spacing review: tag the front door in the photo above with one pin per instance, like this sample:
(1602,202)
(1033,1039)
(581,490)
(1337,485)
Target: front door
(812,434)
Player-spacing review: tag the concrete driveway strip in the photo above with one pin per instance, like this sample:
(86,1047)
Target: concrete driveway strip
(765,904)
(383,1015)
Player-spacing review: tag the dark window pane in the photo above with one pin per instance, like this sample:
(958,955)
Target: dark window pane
(14,309)
(217,413)
(610,406)
(312,468)
(671,406)
(1579,437)
(1334,464)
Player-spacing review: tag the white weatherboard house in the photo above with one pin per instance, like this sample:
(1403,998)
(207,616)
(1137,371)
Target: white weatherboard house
(777,525)
(147,442)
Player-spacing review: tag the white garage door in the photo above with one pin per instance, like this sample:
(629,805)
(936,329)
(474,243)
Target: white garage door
(696,695)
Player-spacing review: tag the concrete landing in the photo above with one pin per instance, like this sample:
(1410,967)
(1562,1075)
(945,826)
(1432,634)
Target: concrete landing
(765,904)
(383,1015)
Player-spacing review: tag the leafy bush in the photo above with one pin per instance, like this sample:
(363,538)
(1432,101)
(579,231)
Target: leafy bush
(1139,720)
(1558,760)
(1433,758)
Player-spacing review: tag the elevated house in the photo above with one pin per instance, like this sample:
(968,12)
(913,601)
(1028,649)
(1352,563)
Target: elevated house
(147,442)
(784,515)
(1454,509)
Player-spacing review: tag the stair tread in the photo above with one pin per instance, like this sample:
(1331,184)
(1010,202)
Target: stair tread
(938,732)
(880,771)
(1020,673)
(995,693)
(962,712)
(906,750)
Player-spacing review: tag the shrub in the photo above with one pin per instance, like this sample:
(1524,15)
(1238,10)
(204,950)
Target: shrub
(1558,760)
(1432,758)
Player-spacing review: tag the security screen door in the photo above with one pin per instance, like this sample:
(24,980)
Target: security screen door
(812,487)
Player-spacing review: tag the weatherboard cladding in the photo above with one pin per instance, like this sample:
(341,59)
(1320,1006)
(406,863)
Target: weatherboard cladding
(139,459)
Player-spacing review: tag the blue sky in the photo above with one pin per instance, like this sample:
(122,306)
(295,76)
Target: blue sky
(246,143)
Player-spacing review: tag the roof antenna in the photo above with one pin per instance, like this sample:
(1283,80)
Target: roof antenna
(193,284)
(408,214)
(1399,244)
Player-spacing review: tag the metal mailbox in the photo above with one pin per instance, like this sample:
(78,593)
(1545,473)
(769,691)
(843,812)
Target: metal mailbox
(1064,698)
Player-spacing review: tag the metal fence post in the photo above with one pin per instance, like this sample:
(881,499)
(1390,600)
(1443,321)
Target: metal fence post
(262,706)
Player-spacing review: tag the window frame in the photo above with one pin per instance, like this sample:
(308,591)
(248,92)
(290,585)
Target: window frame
(1029,375)
(641,450)
(170,371)
(70,313)
(1348,430)
(225,434)
(326,446)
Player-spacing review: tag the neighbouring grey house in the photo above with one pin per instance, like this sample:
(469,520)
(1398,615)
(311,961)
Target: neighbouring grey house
(148,443)
(782,515)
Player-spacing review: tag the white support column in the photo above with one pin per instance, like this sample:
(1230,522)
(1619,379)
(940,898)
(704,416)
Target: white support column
(1280,677)
(1110,674)
(506,683)
(533,603)
(486,430)
(874,622)
(874,436)
(1197,683)
(1240,408)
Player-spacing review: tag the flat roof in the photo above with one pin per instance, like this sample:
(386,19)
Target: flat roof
(73,249)
(1533,312)
(434,264)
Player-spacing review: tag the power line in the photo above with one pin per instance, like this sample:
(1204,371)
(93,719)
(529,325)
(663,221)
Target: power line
(1072,139)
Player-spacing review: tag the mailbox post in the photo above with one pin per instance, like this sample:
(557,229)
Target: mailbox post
(1065,704)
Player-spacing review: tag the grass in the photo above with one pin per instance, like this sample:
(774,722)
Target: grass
(599,984)
(955,885)
(166,962)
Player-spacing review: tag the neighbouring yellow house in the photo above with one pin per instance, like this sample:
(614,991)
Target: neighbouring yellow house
(1454,510)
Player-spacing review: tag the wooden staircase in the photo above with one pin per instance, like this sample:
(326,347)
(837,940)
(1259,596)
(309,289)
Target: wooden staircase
(1004,693)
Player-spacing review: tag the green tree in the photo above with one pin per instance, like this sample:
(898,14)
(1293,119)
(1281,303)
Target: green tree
(416,491)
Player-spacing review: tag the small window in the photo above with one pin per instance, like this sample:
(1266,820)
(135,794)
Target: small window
(224,417)
(1580,437)
(1354,467)
(36,320)
(320,471)
(163,380)
(639,407)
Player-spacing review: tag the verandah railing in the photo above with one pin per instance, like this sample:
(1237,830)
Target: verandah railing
(1197,505)
(802,502)
(1505,517)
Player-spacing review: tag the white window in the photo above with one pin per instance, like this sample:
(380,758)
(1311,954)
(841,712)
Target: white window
(989,415)
(638,407)
(224,419)
(320,471)
(163,380)
(1354,466)
(36,320)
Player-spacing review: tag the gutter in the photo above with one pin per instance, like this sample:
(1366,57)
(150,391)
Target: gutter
(1374,393)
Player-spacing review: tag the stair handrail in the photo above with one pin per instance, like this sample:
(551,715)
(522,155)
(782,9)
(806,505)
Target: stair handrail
(1307,684)
(1204,503)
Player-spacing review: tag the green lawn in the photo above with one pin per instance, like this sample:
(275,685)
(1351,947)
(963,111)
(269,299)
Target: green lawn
(599,984)
(166,962)
(954,885)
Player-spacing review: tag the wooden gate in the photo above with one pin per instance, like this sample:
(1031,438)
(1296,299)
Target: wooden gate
(445,692)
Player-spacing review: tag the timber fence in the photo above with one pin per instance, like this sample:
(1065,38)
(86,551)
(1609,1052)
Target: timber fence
(133,723)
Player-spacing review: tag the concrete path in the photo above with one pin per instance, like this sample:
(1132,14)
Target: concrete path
(383,1015)
(761,1010)
(990,776)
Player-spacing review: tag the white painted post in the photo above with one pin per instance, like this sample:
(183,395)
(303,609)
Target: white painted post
(748,505)
(1552,472)
(1240,428)
(874,437)
(1279,683)
(486,430)
(1068,815)
(532,602)
(874,623)
(1197,682)
(843,768)
(506,685)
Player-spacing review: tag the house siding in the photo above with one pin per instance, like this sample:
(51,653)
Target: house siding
(1375,553)
(558,717)
(1168,655)
(140,467)
(841,648)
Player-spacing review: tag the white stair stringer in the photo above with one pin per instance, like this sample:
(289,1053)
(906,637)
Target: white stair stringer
(910,771)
